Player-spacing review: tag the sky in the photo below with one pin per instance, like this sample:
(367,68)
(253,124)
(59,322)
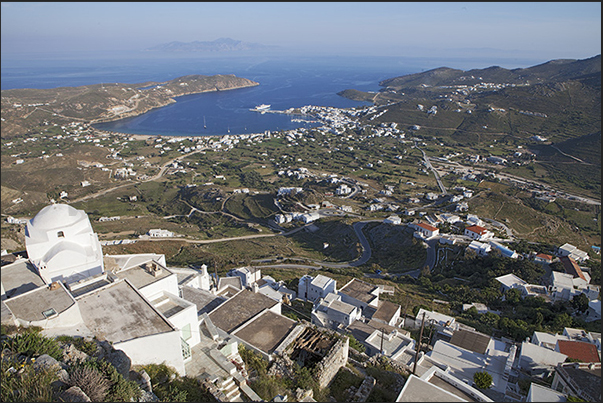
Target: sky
(544,30)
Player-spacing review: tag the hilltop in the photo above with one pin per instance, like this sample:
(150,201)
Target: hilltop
(552,71)
(25,109)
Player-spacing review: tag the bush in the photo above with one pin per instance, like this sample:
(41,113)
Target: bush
(87,346)
(32,344)
(120,389)
(355,344)
(483,380)
(93,383)
(22,383)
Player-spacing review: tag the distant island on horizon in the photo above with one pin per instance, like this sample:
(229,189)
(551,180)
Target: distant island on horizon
(218,45)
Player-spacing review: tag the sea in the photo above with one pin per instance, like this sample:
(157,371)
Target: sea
(285,81)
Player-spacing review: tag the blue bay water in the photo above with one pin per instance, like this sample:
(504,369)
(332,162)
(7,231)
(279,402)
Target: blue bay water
(285,82)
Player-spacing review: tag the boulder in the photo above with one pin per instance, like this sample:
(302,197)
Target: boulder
(121,362)
(74,394)
(71,354)
(45,362)
(142,379)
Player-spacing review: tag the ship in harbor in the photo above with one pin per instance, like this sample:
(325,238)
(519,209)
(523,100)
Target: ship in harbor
(261,108)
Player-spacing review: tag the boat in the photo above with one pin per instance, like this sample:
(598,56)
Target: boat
(261,107)
(204,125)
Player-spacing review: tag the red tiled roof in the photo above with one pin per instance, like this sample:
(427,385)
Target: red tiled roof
(427,226)
(579,350)
(544,256)
(477,229)
(571,267)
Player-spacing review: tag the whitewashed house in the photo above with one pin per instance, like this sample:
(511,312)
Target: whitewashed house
(573,252)
(393,219)
(248,275)
(313,288)
(160,233)
(332,312)
(425,230)
(477,233)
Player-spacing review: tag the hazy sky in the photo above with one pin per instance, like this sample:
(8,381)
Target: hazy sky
(540,30)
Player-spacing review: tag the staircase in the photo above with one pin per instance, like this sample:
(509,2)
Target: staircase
(230,389)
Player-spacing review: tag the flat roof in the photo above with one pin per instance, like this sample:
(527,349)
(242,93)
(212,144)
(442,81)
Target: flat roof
(233,281)
(204,300)
(127,261)
(418,390)
(342,307)
(588,380)
(359,290)
(119,313)
(443,384)
(169,306)
(386,311)
(239,309)
(361,331)
(321,281)
(140,277)
(391,343)
(30,306)
(267,331)
(20,277)
(474,341)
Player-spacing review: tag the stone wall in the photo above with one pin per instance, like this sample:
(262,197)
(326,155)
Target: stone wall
(336,358)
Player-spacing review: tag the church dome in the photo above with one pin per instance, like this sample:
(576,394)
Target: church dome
(56,216)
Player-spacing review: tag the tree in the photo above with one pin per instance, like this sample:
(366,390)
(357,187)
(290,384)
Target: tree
(483,380)
(513,295)
(580,302)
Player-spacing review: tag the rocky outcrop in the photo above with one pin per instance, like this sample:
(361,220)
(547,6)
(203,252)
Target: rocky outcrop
(74,394)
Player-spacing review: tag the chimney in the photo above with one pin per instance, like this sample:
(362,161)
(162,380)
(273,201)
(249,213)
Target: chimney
(254,287)
(154,269)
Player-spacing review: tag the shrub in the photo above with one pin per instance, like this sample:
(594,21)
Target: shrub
(355,344)
(32,344)
(22,383)
(93,383)
(87,346)
(120,389)
(483,380)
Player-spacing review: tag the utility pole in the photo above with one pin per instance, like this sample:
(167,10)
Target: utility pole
(414,368)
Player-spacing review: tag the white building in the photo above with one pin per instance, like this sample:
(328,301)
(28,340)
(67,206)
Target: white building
(425,230)
(62,246)
(160,233)
(313,288)
(332,312)
(472,219)
(437,385)
(248,275)
(393,219)
(480,248)
(573,252)
(343,189)
(477,233)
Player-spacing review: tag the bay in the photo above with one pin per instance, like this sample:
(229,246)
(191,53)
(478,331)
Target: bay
(285,82)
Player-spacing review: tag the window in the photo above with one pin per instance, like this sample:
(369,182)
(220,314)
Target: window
(60,234)
(186,332)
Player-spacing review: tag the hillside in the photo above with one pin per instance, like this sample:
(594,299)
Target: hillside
(23,110)
(552,71)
